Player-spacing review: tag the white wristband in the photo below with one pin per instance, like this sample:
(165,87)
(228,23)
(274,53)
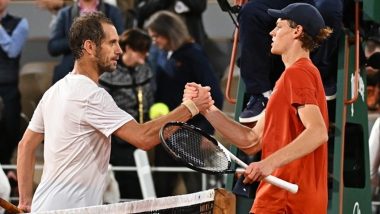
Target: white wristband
(190,105)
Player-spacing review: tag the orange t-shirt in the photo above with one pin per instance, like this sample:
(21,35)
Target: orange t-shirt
(299,84)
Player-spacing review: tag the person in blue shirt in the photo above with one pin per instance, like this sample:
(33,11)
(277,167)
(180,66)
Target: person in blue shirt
(13,35)
(58,43)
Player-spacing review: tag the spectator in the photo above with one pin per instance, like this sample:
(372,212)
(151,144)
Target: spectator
(13,35)
(373,82)
(371,34)
(131,86)
(58,43)
(53,6)
(128,9)
(326,56)
(181,61)
(190,10)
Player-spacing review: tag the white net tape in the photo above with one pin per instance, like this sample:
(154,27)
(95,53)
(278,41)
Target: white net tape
(157,205)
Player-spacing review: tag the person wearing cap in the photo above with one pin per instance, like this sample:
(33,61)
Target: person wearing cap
(293,132)
(260,69)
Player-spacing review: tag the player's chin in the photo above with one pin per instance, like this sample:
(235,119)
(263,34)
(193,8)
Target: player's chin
(113,66)
(274,51)
(109,69)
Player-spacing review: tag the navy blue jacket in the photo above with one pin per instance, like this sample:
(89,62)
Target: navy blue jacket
(58,42)
(188,63)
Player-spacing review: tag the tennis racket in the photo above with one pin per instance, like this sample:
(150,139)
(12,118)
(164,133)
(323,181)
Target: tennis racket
(9,207)
(201,152)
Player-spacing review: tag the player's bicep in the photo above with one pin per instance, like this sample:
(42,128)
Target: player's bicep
(31,140)
(258,129)
(312,119)
(311,116)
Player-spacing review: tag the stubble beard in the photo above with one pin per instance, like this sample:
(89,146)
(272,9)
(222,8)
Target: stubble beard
(103,66)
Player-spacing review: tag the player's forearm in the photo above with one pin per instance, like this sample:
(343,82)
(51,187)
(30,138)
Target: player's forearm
(152,128)
(309,140)
(235,133)
(25,174)
(146,136)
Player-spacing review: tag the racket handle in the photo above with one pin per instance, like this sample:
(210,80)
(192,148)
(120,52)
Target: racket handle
(293,188)
(8,207)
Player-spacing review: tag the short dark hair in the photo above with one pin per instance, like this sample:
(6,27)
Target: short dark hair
(87,27)
(136,39)
(308,42)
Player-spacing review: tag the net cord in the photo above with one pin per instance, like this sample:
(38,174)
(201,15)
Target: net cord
(143,205)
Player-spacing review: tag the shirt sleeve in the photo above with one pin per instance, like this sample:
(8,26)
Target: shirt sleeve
(301,87)
(103,114)
(12,44)
(37,122)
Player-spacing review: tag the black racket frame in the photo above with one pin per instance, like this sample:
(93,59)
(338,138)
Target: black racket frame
(179,159)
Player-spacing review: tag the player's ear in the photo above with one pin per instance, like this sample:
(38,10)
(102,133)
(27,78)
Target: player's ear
(298,31)
(89,47)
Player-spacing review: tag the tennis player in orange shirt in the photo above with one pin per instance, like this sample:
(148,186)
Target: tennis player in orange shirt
(292,134)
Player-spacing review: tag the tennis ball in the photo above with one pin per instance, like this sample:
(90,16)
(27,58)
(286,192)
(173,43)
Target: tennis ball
(158,110)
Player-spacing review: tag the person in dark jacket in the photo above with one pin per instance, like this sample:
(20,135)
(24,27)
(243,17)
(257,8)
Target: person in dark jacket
(190,10)
(181,60)
(131,85)
(13,35)
(58,42)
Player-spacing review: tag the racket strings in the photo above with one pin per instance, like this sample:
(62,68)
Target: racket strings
(197,150)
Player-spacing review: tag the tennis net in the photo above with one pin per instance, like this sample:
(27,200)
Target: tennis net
(214,201)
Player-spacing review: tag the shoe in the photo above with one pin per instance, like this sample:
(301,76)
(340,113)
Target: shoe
(330,92)
(254,109)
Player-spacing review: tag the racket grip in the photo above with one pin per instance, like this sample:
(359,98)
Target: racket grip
(8,207)
(293,188)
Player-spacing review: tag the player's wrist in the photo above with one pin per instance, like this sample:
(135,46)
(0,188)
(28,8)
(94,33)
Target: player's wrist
(190,105)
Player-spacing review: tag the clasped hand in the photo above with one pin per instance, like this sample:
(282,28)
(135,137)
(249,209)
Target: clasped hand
(200,95)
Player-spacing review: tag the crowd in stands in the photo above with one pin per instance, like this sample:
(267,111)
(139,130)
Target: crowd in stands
(165,45)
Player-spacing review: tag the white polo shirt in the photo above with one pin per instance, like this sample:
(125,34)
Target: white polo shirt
(77,118)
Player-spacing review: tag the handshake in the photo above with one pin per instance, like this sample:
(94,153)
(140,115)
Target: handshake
(200,96)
